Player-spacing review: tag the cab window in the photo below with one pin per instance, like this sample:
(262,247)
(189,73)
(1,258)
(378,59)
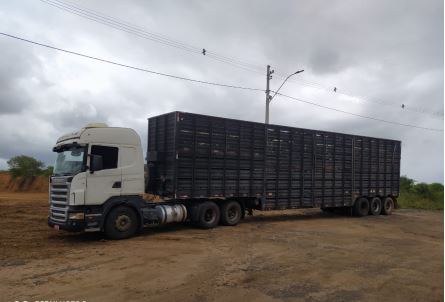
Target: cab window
(109,155)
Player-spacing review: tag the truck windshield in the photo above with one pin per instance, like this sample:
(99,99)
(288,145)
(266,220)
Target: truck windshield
(69,161)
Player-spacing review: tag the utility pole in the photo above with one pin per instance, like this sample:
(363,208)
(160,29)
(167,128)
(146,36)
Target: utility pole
(268,98)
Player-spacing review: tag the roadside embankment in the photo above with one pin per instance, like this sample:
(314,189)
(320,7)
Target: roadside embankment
(36,184)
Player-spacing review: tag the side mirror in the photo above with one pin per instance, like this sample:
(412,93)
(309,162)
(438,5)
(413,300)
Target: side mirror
(96,163)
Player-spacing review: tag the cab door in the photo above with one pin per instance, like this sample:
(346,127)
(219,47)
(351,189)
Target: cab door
(106,182)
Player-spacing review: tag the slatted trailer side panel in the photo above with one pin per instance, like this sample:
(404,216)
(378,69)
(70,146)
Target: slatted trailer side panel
(161,154)
(219,157)
(198,156)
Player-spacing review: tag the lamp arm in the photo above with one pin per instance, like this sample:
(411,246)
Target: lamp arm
(287,78)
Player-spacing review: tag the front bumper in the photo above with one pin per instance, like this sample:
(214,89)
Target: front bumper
(69,225)
(91,223)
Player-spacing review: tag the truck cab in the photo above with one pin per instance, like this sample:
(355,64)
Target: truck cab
(95,167)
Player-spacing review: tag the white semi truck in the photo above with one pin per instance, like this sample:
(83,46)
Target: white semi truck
(209,171)
(98,184)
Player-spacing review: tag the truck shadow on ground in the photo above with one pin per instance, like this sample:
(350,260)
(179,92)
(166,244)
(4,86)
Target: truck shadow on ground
(77,237)
(194,232)
(249,220)
(308,215)
(165,229)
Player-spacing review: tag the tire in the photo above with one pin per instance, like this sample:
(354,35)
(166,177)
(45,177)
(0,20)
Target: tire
(121,223)
(361,207)
(388,206)
(231,213)
(375,206)
(208,215)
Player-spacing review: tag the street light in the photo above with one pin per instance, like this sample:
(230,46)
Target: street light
(270,98)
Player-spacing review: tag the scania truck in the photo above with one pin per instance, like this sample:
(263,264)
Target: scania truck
(207,171)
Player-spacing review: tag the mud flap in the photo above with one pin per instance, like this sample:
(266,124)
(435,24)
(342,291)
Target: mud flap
(262,203)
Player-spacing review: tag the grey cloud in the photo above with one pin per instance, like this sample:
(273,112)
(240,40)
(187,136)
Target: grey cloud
(12,99)
(18,64)
(389,51)
(76,115)
(325,60)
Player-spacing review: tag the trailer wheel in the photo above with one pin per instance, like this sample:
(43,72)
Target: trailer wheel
(361,207)
(121,223)
(388,206)
(231,213)
(208,215)
(375,206)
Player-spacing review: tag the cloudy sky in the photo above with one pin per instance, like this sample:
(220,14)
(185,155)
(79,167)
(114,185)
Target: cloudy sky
(379,54)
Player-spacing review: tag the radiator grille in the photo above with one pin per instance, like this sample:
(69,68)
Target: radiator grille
(59,192)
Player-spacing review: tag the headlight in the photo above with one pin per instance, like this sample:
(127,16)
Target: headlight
(76,216)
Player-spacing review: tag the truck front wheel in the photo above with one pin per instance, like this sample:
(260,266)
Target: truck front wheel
(121,223)
(230,213)
(208,215)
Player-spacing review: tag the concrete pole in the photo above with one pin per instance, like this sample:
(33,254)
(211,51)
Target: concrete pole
(267,95)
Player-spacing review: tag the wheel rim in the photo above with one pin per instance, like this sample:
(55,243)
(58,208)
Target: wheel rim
(363,206)
(388,205)
(209,215)
(232,213)
(375,207)
(122,223)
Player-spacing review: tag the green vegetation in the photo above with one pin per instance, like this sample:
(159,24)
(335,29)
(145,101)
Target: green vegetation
(420,195)
(26,166)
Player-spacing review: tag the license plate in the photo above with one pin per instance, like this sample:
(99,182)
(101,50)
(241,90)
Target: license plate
(56,227)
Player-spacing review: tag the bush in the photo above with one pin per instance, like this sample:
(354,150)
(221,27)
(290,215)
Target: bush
(25,166)
(421,195)
(48,171)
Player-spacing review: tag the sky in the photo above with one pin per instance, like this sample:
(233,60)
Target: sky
(377,54)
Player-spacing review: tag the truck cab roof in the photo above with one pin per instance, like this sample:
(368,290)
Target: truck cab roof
(100,133)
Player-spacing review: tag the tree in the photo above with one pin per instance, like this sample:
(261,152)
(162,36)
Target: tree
(25,166)
(422,189)
(48,171)
(406,184)
(435,187)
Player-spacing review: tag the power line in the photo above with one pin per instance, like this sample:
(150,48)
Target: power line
(238,63)
(358,115)
(142,33)
(156,37)
(124,26)
(131,67)
(210,83)
(332,89)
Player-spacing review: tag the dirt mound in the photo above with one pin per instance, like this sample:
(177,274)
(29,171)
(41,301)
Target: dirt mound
(37,184)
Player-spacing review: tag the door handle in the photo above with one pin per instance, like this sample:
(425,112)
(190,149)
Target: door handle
(117,185)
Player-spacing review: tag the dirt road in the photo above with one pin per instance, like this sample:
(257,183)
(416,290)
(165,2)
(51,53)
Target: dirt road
(277,256)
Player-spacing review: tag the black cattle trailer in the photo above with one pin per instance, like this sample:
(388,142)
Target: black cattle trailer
(197,159)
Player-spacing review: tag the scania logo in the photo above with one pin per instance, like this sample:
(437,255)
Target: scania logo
(59,181)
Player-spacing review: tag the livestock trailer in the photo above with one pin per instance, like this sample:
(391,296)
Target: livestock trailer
(193,156)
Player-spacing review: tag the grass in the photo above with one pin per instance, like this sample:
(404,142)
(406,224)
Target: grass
(420,195)
(409,200)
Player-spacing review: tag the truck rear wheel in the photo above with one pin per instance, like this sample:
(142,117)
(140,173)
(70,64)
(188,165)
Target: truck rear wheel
(121,223)
(388,206)
(208,215)
(230,213)
(361,207)
(375,206)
